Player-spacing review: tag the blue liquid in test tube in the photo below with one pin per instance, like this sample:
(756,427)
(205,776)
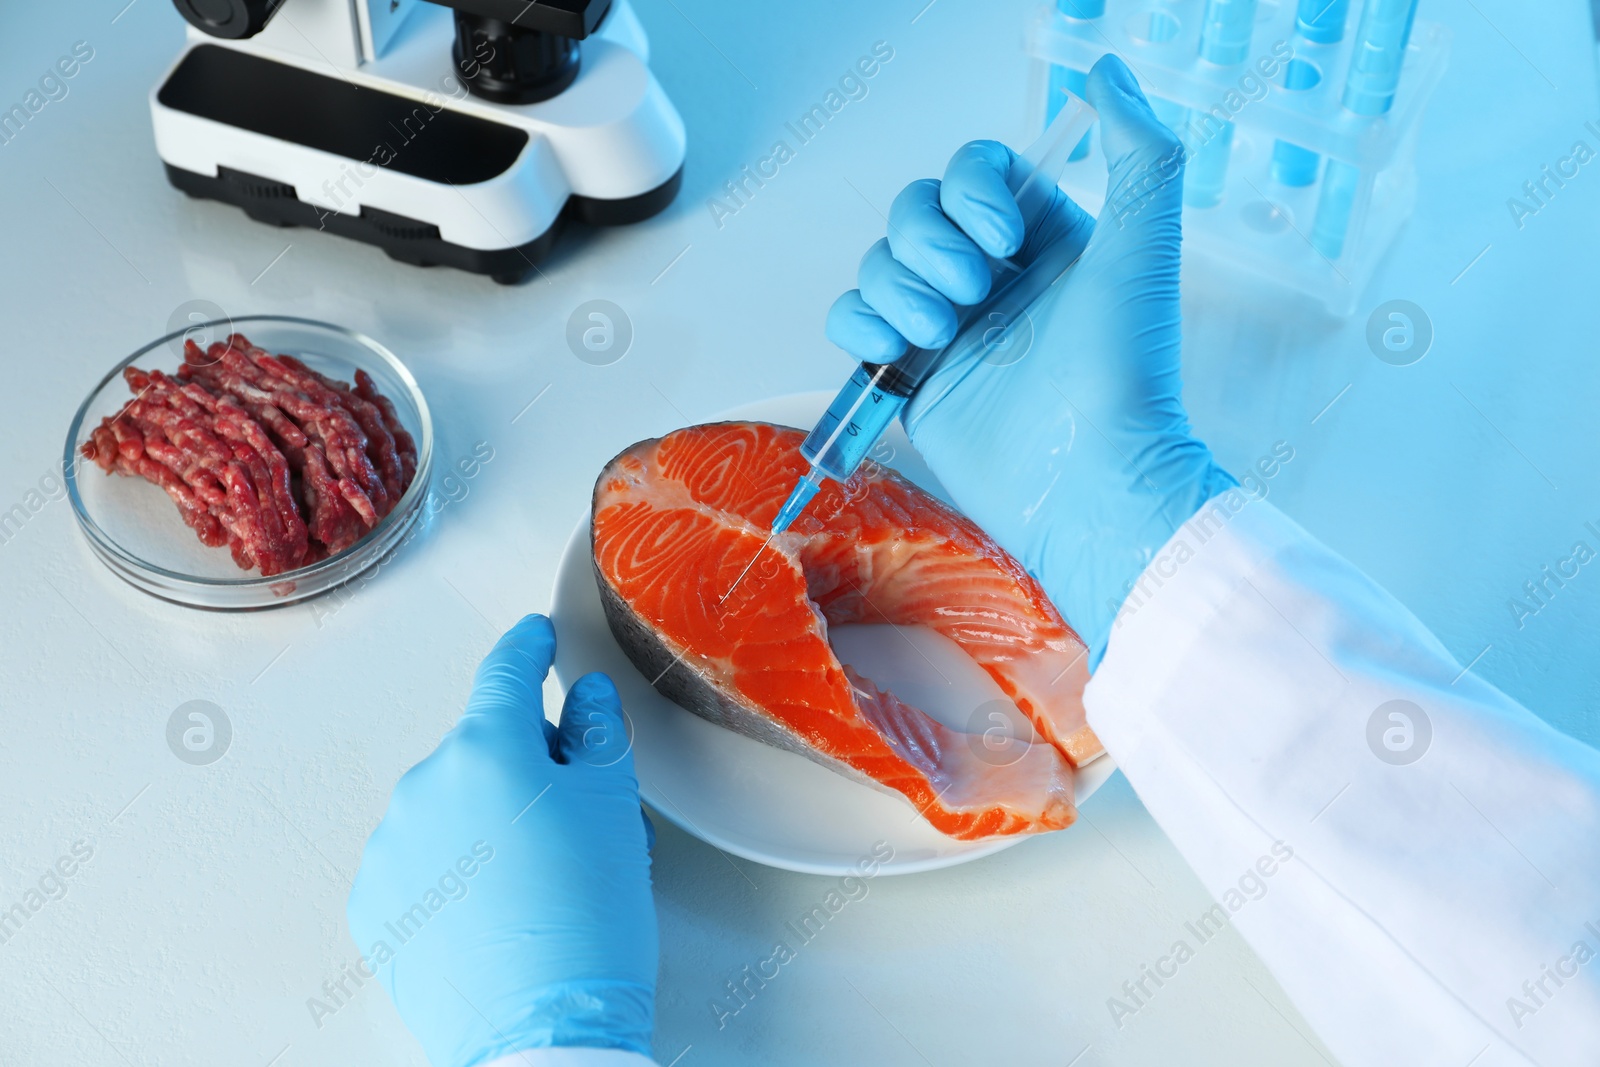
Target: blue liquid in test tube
(1291,164)
(1319,22)
(1379,54)
(1294,166)
(1322,21)
(1225,32)
(1207,170)
(1074,81)
(1340,181)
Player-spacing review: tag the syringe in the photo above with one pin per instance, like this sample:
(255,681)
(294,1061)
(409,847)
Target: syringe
(877,392)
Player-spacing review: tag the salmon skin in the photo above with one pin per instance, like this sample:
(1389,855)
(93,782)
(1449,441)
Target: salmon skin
(678,518)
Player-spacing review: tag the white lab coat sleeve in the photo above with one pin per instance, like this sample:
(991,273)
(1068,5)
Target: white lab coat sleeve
(573,1057)
(1441,900)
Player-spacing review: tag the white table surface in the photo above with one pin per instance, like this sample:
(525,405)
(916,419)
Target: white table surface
(213,906)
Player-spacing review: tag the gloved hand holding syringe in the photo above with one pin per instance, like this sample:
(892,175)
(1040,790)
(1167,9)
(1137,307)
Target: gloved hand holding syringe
(877,392)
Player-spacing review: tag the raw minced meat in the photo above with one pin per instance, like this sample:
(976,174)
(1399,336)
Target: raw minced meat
(283,465)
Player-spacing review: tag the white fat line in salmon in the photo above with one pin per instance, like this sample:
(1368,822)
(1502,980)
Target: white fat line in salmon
(1251,885)
(747,567)
(748,982)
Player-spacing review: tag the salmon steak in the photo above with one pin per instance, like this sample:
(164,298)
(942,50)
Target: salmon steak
(738,634)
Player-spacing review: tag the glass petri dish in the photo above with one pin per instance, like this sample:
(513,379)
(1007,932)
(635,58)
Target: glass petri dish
(133,526)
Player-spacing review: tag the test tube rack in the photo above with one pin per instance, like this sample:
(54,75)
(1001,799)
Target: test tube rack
(1281,122)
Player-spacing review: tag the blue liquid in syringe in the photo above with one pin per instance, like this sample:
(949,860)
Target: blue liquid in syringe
(858,416)
(855,420)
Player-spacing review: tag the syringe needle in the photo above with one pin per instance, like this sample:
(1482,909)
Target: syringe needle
(747,567)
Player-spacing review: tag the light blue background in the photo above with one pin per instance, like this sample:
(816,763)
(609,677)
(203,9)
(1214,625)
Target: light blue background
(215,904)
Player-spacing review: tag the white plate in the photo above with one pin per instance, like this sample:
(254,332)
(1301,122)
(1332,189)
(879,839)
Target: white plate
(759,802)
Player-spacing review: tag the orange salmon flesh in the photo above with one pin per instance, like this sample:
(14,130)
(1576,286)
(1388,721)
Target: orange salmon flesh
(678,518)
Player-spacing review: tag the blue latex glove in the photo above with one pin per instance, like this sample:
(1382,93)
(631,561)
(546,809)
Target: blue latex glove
(524,847)
(1077,456)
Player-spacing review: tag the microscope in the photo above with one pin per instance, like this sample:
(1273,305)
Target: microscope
(459,133)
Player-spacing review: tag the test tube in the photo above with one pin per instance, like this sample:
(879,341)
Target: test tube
(1380,51)
(1225,31)
(1206,173)
(1291,164)
(1074,81)
(1339,183)
(1319,22)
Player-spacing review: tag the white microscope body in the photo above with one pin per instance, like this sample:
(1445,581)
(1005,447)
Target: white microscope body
(398,122)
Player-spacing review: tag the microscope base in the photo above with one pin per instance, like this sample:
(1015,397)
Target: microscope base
(409,240)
